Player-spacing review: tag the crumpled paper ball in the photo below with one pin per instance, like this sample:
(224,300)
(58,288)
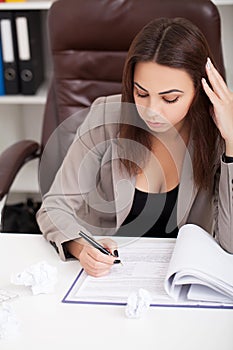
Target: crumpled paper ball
(137,304)
(41,277)
(9,324)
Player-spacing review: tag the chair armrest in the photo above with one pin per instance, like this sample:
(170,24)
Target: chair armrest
(11,161)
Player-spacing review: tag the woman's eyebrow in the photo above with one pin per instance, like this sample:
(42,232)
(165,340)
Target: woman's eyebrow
(140,87)
(160,93)
(170,91)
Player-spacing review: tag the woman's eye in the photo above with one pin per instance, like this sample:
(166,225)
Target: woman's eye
(141,94)
(171,101)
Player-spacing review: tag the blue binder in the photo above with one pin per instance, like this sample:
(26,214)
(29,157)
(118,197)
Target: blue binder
(9,53)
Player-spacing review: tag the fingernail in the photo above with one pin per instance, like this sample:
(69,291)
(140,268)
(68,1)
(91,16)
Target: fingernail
(115,252)
(204,81)
(208,63)
(117,262)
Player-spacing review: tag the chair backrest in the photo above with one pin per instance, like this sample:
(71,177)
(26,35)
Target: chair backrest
(89,40)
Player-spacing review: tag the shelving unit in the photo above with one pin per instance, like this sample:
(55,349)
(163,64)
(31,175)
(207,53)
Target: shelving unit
(21,116)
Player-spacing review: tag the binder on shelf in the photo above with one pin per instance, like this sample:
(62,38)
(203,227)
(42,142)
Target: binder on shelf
(2,86)
(30,50)
(9,53)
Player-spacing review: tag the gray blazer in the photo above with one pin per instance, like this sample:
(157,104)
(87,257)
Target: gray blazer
(94,193)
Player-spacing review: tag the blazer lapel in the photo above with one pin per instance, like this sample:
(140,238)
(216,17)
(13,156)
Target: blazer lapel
(123,187)
(187,189)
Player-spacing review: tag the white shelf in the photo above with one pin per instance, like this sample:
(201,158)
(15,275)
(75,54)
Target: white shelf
(222,2)
(26,5)
(38,98)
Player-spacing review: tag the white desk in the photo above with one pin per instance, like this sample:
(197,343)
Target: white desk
(46,323)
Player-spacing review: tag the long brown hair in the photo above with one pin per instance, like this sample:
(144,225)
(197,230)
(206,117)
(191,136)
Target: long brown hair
(179,44)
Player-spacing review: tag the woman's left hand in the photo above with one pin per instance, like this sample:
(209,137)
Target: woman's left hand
(222,100)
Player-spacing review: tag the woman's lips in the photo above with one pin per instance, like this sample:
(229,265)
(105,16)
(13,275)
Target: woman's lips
(155,124)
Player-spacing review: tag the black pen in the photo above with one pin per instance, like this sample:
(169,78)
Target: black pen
(96,244)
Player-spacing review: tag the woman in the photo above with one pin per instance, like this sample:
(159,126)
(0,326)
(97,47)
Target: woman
(156,157)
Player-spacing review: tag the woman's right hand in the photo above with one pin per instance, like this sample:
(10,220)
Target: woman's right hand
(94,262)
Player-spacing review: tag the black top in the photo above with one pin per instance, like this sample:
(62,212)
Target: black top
(152,215)
(227,159)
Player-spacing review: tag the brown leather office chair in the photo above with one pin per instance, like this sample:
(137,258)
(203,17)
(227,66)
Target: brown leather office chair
(89,40)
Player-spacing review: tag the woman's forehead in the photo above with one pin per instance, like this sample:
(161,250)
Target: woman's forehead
(152,76)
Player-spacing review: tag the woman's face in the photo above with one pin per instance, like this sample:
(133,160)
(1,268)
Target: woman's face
(162,95)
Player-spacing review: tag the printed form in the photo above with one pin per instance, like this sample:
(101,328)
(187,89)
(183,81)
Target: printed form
(145,263)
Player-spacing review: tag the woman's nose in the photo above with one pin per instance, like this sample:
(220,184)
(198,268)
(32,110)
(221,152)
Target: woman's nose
(154,108)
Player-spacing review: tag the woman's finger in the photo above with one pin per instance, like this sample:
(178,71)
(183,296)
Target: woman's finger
(94,262)
(98,256)
(218,84)
(209,92)
(109,244)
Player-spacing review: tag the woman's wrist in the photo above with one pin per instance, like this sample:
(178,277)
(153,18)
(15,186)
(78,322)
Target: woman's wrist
(74,248)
